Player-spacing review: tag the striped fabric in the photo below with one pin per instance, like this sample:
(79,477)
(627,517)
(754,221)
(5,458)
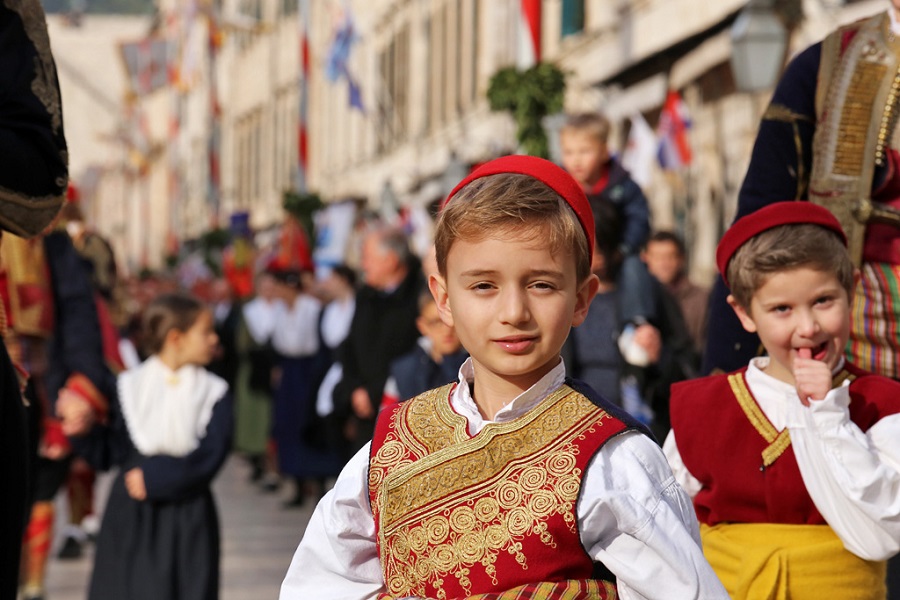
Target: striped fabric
(874,343)
(572,589)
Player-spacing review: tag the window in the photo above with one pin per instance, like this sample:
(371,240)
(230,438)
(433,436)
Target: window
(572,17)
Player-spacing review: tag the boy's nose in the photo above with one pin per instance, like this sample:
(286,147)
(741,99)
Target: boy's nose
(514,307)
(807,324)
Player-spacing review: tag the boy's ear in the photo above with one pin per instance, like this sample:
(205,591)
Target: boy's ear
(746,320)
(583,297)
(438,286)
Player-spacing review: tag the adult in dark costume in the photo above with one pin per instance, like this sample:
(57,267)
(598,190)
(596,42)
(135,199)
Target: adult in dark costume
(54,332)
(33,180)
(383,328)
(829,136)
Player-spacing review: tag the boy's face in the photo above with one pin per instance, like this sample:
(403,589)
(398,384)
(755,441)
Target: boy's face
(512,303)
(663,261)
(583,156)
(443,337)
(800,308)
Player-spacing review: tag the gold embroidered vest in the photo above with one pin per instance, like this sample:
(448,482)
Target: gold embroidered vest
(459,515)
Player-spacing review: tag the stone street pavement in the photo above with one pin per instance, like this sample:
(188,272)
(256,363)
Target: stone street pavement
(259,539)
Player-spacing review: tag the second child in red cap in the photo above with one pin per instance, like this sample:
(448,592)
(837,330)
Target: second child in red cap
(793,462)
(514,481)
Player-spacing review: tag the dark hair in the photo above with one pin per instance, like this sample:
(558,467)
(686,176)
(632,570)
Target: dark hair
(608,235)
(670,237)
(345,273)
(167,312)
(289,277)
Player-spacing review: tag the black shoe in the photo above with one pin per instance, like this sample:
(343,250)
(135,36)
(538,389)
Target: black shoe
(270,483)
(256,468)
(71,549)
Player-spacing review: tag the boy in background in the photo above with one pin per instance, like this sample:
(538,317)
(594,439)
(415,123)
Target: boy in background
(666,259)
(793,462)
(435,361)
(585,155)
(514,480)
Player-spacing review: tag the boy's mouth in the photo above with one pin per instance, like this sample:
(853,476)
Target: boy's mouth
(818,352)
(515,344)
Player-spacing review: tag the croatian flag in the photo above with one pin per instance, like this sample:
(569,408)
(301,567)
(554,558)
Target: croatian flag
(529,34)
(674,122)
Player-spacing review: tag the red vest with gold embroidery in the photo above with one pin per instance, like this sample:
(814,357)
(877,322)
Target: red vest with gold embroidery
(748,468)
(458,515)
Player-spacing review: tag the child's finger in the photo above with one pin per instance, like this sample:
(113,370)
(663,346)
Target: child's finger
(804,353)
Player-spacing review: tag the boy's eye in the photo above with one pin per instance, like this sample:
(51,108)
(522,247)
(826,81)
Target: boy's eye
(781,308)
(824,300)
(482,286)
(543,285)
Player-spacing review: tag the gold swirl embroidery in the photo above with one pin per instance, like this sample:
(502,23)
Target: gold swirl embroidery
(443,514)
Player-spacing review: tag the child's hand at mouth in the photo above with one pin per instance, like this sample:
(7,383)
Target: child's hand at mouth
(812,377)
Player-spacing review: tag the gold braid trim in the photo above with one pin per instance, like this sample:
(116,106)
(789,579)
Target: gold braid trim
(841,377)
(781,113)
(778,441)
(44,84)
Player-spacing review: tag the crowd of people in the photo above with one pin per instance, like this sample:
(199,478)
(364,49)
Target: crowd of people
(298,379)
(539,407)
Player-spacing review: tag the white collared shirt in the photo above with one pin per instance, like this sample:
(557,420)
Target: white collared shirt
(852,477)
(632,516)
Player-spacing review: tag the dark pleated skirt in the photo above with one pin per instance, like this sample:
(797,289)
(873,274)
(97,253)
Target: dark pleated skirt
(157,550)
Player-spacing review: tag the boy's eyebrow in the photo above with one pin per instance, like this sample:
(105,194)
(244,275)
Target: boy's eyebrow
(534,272)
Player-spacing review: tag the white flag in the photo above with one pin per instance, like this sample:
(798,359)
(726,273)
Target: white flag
(640,150)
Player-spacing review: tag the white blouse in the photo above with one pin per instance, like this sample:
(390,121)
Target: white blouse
(632,516)
(852,477)
(296,327)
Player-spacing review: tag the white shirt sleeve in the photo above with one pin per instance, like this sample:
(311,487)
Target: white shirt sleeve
(852,476)
(684,478)
(338,552)
(637,520)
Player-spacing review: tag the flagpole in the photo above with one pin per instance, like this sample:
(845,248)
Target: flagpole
(300,173)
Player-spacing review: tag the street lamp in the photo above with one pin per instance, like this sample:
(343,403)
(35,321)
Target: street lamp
(758,42)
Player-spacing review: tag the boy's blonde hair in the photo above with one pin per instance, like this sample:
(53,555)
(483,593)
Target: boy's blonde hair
(511,202)
(784,248)
(593,124)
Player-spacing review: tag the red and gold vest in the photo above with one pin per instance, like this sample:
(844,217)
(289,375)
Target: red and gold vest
(748,468)
(458,516)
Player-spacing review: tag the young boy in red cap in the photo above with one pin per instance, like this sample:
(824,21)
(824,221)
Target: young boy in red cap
(513,482)
(793,462)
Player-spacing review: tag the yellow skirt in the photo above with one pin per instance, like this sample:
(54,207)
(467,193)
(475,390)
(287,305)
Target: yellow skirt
(765,561)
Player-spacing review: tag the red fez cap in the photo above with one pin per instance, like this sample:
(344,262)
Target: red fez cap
(545,171)
(773,215)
